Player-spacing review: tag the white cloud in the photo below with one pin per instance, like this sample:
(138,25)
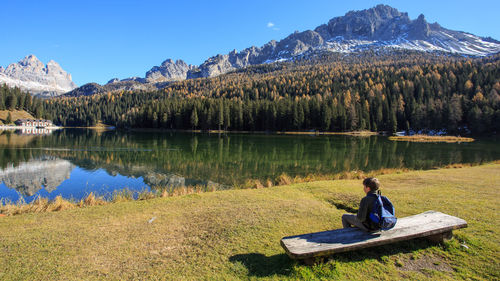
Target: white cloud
(272,26)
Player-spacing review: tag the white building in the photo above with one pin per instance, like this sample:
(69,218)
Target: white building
(34,123)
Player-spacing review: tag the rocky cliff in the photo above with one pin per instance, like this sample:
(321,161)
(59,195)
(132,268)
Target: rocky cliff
(169,71)
(30,74)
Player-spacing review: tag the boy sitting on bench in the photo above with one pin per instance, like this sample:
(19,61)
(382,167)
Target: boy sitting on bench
(361,220)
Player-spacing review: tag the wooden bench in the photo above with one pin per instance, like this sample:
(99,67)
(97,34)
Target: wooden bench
(308,247)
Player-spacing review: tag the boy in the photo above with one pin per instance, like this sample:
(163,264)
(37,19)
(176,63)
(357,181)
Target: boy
(361,220)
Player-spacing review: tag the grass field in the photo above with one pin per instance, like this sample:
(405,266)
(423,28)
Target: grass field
(233,235)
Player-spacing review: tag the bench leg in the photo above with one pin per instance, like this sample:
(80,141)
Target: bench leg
(440,237)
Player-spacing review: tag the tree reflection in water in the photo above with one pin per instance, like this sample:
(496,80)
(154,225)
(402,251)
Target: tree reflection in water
(173,160)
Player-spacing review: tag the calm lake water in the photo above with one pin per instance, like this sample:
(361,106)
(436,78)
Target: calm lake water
(73,163)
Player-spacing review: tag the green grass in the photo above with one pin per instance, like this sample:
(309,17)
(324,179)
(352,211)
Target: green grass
(232,235)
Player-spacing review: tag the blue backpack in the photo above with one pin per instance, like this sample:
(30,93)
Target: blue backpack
(383,213)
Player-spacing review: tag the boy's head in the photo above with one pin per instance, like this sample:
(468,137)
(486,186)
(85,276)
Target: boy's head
(371,183)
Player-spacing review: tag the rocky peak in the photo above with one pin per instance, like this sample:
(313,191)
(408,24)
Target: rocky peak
(30,60)
(169,62)
(420,29)
(381,21)
(30,74)
(378,12)
(28,64)
(55,69)
(54,65)
(168,71)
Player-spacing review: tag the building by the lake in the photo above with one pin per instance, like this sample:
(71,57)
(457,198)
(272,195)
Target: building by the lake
(34,123)
(34,131)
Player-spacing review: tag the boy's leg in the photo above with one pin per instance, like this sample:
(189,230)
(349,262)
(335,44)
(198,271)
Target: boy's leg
(349,220)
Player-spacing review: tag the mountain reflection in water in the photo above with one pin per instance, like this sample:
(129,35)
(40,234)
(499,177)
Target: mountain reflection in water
(29,177)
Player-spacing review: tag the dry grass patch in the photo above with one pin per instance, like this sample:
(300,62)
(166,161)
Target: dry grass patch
(426,138)
(15,114)
(353,133)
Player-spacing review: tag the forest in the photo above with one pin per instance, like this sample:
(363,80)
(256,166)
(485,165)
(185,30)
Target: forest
(15,99)
(410,92)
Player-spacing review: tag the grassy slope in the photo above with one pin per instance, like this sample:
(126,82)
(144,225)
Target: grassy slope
(235,234)
(15,114)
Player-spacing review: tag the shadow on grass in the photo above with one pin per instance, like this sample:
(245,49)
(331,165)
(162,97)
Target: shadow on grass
(260,265)
(380,253)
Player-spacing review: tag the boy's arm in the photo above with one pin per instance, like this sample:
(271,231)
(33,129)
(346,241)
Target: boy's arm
(363,210)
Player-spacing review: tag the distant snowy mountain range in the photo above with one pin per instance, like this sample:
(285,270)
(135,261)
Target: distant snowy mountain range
(381,27)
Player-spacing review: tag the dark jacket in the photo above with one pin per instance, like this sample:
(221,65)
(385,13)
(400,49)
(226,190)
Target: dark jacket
(365,207)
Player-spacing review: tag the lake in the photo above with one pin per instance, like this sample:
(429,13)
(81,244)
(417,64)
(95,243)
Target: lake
(74,162)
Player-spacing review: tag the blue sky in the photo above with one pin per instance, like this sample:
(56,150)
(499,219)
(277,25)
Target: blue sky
(99,40)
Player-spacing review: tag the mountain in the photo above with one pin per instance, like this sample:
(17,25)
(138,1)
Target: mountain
(30,74)
(134,84)
(379,28)
(169,71)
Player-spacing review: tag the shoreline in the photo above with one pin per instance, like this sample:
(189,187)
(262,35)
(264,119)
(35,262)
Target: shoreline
(43,204)
(29,127)
(412,138)
(107,128)
(312,133)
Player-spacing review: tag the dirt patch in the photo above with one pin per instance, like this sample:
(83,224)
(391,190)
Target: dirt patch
(423,264)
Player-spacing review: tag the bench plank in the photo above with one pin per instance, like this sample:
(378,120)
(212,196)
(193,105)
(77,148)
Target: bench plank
(347,239)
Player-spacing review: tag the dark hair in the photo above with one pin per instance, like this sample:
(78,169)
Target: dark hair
(372,183)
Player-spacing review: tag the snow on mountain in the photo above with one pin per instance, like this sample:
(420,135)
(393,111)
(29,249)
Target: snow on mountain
(31,75)
(378,27)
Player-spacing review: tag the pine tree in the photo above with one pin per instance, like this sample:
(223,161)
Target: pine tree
(326,117)
(194,118)
(8,120)
(393,122)
(220,114)
(11,102)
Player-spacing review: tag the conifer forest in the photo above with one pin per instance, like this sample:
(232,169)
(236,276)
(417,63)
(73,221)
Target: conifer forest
(403,92)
